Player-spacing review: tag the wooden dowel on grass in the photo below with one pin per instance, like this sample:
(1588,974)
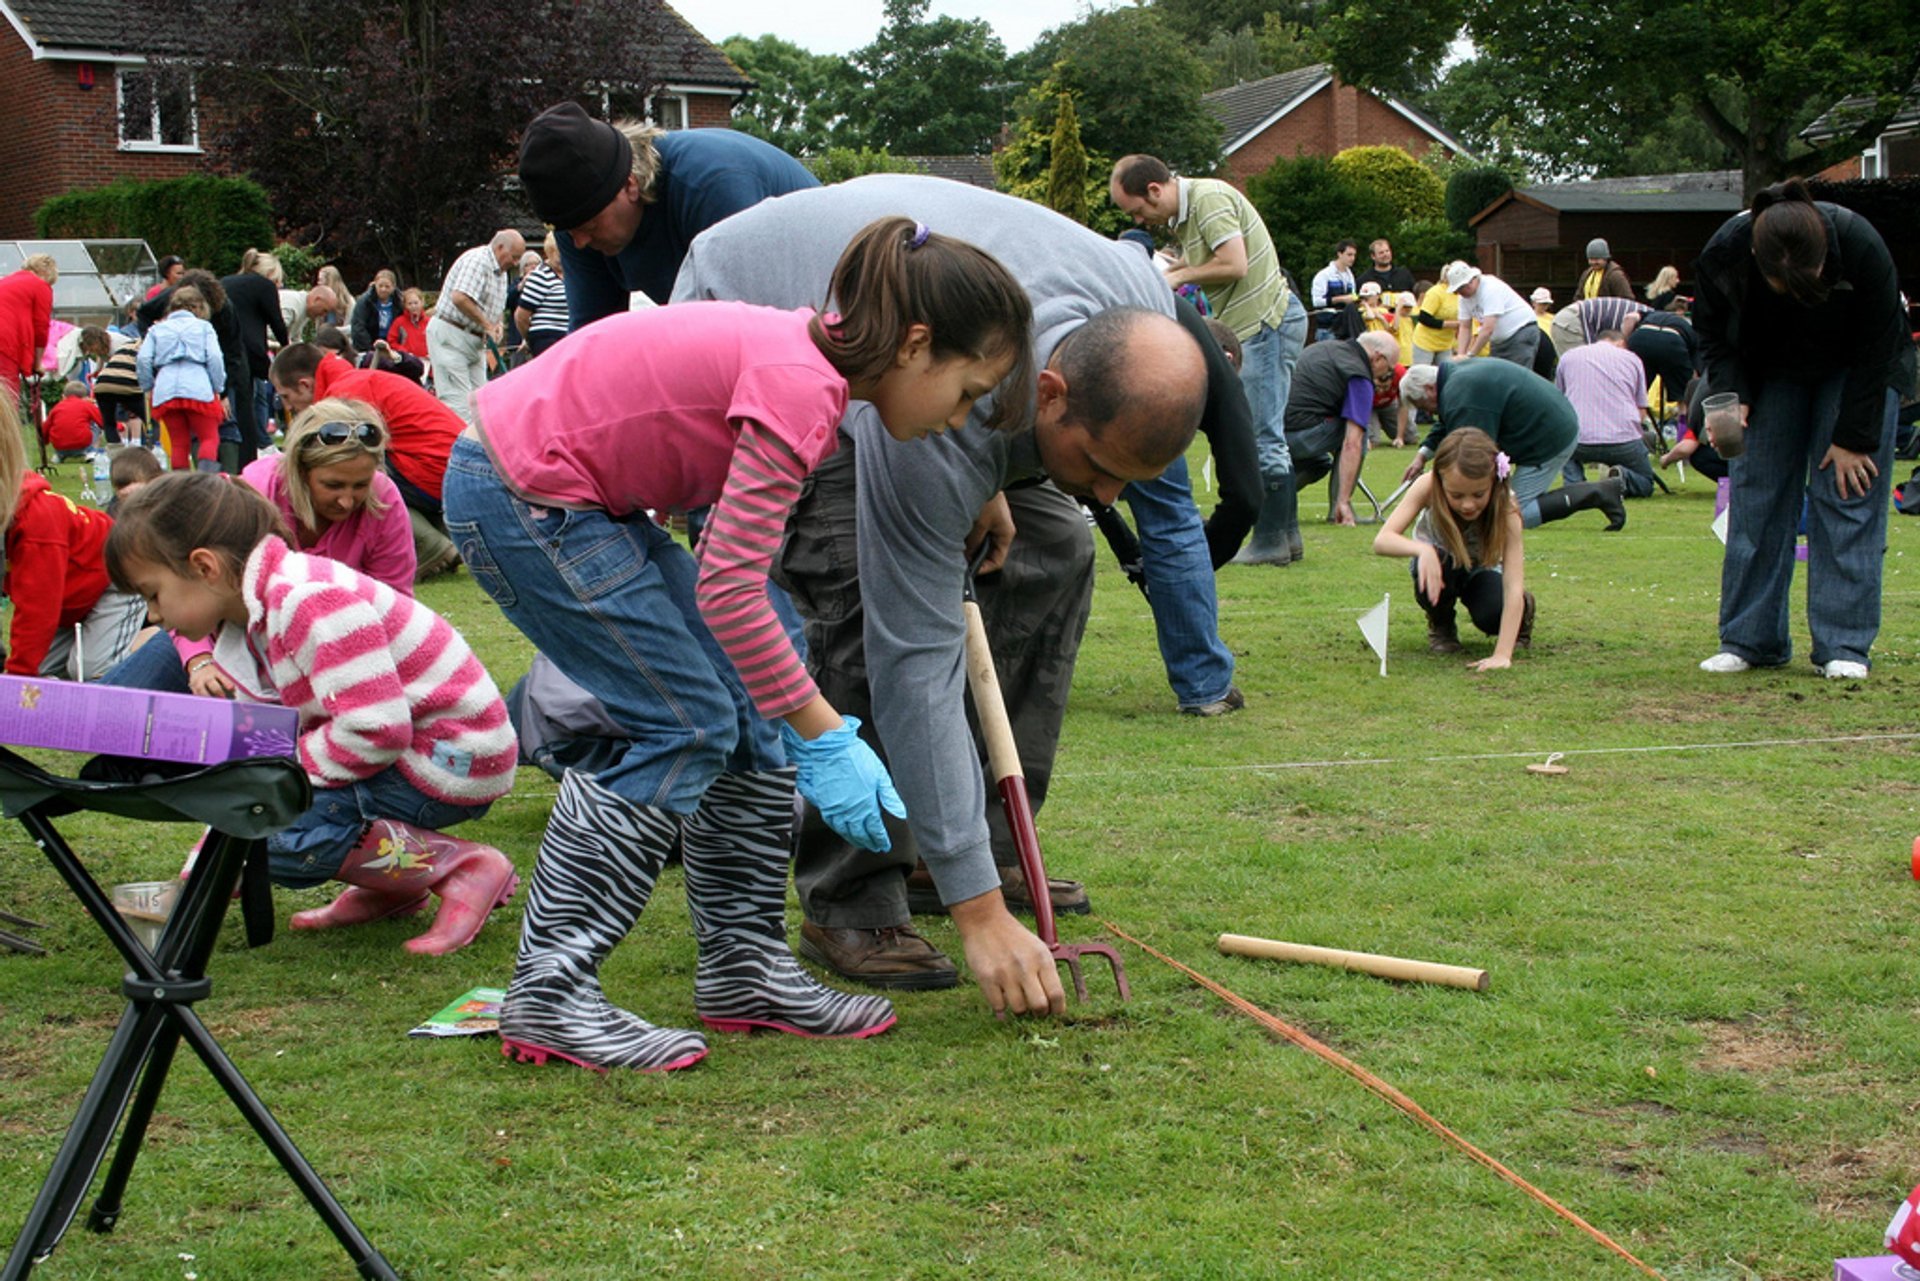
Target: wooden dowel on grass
(1386,967)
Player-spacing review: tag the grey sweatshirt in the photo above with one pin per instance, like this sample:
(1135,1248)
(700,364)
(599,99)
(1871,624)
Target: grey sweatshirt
(917,500)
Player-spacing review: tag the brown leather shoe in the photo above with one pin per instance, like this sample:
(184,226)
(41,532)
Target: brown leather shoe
(1069,897)
(895,957)
(1443,634)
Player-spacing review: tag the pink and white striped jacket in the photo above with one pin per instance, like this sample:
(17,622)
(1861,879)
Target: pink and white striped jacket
(378,679)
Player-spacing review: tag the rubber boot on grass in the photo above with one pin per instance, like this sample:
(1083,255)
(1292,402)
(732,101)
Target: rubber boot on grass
(598,862)
(394,868)
(1443,630)
(1276,531)
(1607,495)
(734,854)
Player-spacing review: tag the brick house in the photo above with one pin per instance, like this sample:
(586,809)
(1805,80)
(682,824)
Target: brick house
(1312,112)
(80,108)
(1895,153)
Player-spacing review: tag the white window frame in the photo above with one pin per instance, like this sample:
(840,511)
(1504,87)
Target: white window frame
(686,110)
(1873,161)
(151,143)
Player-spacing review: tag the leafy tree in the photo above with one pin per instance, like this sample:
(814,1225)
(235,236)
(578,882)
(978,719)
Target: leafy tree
(1136,87)
(1309,206)
(1067,166)
(1288,46)
(1472,189)
(1427,244)
(926,86)
(382,131)
(837,164)
(1234,57)
(1196,20)
(1576,85)
(793,102)
(1410,187)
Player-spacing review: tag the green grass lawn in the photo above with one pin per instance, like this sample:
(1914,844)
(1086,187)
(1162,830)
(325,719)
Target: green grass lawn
(1702,1034)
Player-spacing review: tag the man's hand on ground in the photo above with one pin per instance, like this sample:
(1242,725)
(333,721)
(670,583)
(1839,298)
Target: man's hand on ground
(1012,966)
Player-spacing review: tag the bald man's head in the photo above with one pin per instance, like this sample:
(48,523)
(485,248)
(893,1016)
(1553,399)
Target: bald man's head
(1119,400)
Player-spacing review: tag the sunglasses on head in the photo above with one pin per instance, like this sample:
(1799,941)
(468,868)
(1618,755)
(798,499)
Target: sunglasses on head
(367,434)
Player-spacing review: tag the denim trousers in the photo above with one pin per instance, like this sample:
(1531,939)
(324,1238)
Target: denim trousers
(1530,480)
(1266,374)
(1180,587)
(611,602)
(1630,456)
(311,849)
(1789,430)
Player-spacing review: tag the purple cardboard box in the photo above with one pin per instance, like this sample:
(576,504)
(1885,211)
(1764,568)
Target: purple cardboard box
(138,722)
(1879,1268)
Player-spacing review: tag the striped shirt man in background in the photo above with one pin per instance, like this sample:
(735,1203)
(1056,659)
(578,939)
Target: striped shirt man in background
(1607,386)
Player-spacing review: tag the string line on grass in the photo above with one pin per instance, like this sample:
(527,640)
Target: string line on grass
(1280,1027)
(1263,766)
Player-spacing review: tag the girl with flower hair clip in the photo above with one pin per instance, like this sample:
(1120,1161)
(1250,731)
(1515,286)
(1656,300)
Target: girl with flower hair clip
(1465,547)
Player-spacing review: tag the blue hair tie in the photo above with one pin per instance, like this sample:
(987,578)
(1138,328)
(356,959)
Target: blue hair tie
(920,233)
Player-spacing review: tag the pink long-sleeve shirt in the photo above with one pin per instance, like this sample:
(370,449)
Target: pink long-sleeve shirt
(677,408)
(378,679)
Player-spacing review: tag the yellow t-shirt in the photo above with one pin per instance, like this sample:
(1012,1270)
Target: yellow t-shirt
(1442,304)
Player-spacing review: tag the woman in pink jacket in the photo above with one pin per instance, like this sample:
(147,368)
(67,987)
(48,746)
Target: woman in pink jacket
(335,497)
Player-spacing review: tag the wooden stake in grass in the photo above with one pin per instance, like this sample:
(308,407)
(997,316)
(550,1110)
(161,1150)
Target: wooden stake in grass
(1386,967)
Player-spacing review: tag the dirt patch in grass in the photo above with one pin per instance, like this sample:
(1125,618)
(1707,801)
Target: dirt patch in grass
(1851,1183)
(1755,1048)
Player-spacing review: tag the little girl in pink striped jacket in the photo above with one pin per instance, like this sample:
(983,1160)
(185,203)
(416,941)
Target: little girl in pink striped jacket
(402,732)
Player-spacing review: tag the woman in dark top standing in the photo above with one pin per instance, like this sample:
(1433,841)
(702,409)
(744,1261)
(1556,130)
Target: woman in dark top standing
(1798,312)
(255,303)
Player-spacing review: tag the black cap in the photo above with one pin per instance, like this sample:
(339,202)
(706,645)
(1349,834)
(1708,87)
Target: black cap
(572,166)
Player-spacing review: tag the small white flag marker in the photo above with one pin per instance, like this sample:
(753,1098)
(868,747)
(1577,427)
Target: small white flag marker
(1719,526)
(1373,626)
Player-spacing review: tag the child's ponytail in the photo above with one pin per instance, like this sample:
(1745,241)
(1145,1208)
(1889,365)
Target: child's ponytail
(165,520)
(897,273)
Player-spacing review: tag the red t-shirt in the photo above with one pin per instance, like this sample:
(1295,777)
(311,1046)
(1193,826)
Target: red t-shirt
(70,423)
(420,430)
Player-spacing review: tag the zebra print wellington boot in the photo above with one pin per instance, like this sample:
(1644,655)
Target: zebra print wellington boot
(734,854)
(595,873)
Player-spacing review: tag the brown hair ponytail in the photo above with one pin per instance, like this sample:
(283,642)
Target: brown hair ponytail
(1790,242)
(897,273)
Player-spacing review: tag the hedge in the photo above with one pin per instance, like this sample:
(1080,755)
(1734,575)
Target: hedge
(207,221)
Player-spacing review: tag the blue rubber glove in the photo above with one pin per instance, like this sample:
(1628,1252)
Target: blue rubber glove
(843,779)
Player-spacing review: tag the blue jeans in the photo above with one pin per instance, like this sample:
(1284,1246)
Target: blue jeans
(1789,430)
(1530,480)
(611,603)
(1630,456)
(1180,587)
(1266,374)
(311,849)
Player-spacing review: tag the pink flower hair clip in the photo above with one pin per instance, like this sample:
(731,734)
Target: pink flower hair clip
(1502,466)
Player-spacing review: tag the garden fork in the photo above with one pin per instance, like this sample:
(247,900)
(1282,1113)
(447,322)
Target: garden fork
(1004,756)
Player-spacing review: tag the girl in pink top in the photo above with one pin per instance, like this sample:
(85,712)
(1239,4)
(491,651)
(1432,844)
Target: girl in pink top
(401,730)
(548,496)
(336,500)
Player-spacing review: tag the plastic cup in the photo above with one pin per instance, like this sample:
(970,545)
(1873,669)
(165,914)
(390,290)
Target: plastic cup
(1724,429)
(145,906)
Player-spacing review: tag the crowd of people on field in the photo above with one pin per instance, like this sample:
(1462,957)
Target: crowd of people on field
(868,401)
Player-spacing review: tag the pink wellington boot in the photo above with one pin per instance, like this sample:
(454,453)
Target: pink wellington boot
(391,871)
(471,879)
(386,877)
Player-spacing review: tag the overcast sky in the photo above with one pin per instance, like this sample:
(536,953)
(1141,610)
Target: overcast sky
(841,26)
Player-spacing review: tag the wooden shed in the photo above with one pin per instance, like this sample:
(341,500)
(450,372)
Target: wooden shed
(1537,236)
